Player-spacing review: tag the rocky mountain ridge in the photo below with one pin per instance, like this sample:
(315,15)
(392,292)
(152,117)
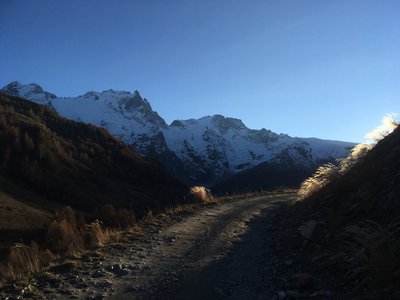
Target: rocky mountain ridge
(201,151)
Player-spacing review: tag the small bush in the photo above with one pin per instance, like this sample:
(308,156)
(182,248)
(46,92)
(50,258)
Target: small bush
(200,194)
(108,215)
(126,218)
(121,218)
(63,238)
(94,235)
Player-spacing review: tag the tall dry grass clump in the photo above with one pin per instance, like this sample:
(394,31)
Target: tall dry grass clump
(200,194)
(329,172)
(94,235)
(320,179)
(356,155)
(388,124)
(25,259)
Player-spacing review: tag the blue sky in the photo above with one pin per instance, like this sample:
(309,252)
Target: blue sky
(328,69)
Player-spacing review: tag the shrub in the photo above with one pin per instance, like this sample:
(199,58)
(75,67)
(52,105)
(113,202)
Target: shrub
(126,218)
(68,214)
(108,215)
(94,235)
(200,194)
(122,218)
(63,238)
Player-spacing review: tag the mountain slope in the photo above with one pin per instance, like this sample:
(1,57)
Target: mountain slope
(201,151)
(355,246)
(72,163)
(263,177)
(369,190)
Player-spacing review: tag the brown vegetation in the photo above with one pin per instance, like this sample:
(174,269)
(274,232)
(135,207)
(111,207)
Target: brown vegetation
(66,236)
(358,204)
(72,163)
(200,194)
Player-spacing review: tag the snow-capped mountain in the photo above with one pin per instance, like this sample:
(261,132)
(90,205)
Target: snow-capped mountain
(205,150)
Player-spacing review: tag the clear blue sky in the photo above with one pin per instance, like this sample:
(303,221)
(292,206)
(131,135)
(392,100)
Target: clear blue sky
(328,69)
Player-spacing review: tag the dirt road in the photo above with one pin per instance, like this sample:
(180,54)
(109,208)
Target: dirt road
(216,252)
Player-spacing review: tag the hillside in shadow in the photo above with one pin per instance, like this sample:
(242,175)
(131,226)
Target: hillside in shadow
(263,177)
(48,161)
(369,190)
(351,227)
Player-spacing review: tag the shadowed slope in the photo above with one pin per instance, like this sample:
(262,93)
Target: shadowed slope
(71,163)
(369,190)
(355,246)
(265,176)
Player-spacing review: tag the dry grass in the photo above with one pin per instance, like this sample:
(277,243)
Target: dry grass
(329,172)
(95,235)
(25,260)
(200,194)
(320,179)
(66,236)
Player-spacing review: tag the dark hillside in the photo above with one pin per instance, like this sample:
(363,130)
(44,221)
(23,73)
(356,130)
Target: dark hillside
(369,190)
(264,177)
(351,229)
(72,163)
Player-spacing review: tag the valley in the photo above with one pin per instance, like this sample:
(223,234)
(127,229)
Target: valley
(199,150)
(102,221)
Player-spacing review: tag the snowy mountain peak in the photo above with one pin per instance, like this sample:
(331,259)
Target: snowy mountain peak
(18,87)
(226,123)
(30,91)
(204,150)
